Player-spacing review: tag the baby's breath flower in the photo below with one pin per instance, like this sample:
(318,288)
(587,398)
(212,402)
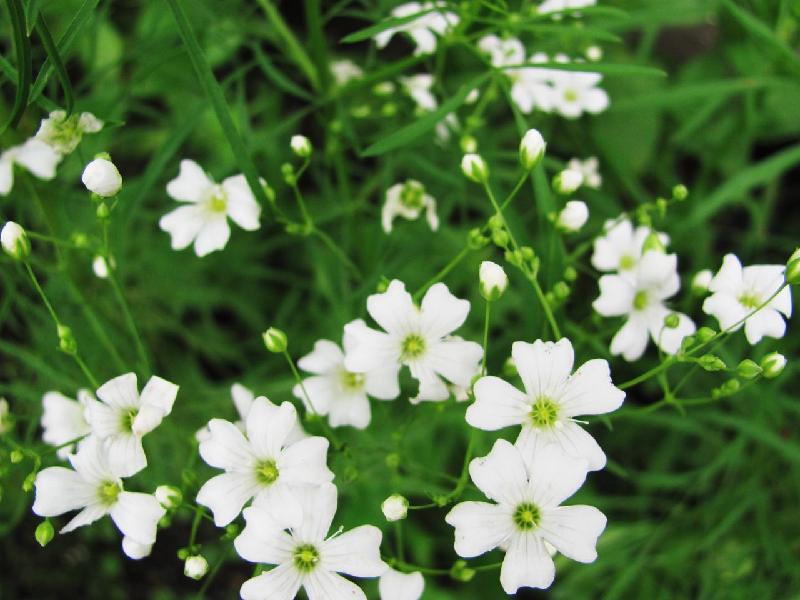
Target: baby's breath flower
(567,181)
(408,200)
(531,149)
(102,178)
(395,507)
(15,241)
(475,168)
(34,155)
(493,280)
(573,216)
(394,585)
(773,364)
(195,566)
(301,146)
(63,133)
(422,30)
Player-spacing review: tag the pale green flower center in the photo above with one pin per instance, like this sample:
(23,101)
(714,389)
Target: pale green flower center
(413,346)
(128,418)
(267,472)
(218,202)
(108,492)
(527,516)
(626,262)
(750,300)
(351,382)
(412,194)
(544,412)
(570,95)
(640,300)
(306,558)
(64,132)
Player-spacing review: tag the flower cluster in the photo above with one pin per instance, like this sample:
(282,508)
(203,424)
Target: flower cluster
(433,20)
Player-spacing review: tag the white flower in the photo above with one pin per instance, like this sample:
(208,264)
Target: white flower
(527,518)
(102,178)
(474,168)
(303,555)
(14,240)
(100,266)
(620,249)
(502,52)
(408,200)
(395,507)
(422,30)
(589,169)
(573,216)
(640,297)
(63,420)
(531,86)
(594,53)
(531,149)
(34,155)
(341,394)
(95,488)
(419,88)
(195,566)
(553,397)
(416,337)
(394,585)
(551,6)
(493,280)
(262,464)
(739,291)
(344,71)
(567,181)
(63,133)
(701,281)
(205,220)
(301,146)
(123,416)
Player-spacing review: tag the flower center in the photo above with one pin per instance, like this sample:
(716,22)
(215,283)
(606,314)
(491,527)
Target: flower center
(544,412)
(412,193)
(626,262)
(352,382)
(127,419)
(267,472)
(527,516)
(218,202)
(570,95)
(750,300)
(413,346)
(305,558)
(108,492)
(640,300)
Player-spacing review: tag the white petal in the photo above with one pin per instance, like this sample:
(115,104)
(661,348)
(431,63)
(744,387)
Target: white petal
(305,462)
(383,382)
(226,494)
(321,390)
(267,428)
(191,185)
(281,583)
(441,312)
(351,409)
(213,235)
(480,527)
(497,404)
(263,539)
(39,158)
(573,530)
(766,322)
(669,339)
(595,100)
(371,349)
(456,360)
(91,461)
(543,366)
(431,386)
(613,245)
(394,310)
(729,277)
(589,391)
(120,392)
(324,358)
(104,420)
(725,308)
(135,550)
(527,564)
(424,39)
(156,399)
(125,454)
(324,585)
(226,447)
(243,209)
(356,552)
(242,399)
(6,173)
(555,472)
(394,585)
(183,224)
(87,516)
(137,516)
(631,340)
(501,475)
(282,500)
(616,296)
(319,506)
(60,490)
(62,419)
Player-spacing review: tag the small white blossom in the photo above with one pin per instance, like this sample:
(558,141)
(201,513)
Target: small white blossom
(621,248)
(102,178)
(100,266)
(394,585)
(14,241)
(195,566)
(594,53)
(94,487)
(344,71)
(422,30)
(576,92)
(532,87)
(640,297)
(34,155)
(63,133)
(737,292)
(589,169)
(493,280)
(63,420)
(553,397)
(417,337)
(261,464)
(502,52)
(525,518)
(701,281)
(555,6)
(122,416)
(301,146)
(419,87)
(395,507)
(408,200)
(204,220)
(531,149)
(304,556)
(567,181)
(573,216)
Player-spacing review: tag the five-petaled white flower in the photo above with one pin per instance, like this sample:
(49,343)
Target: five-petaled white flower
(640,297)
(553,397)
(418,337)
(205,220)
(408,200)
(576,92)
(589,168)
(122,417)
(263,465)
(63,420)
(394,585)
(341,394)
(344,71)
(621,248)
(527,520)
(422,30)
(34,155)
(737,292)
(303,555)
(95,488)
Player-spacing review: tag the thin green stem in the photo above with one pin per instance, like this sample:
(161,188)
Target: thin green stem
(443,272)
(128,316)
(464,477)
(198,516)
(92,379)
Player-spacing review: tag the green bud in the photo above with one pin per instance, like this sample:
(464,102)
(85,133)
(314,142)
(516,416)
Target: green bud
(440,499)
(469,145)
(704,334)
(661,207)
(231,531)
(728,388)
(710,362)
(389,109)
(793,268)
(509,367)
(66,341)
(301,146)
(561,290)
(183,553)
(350,474)
(680,192)
(461,572)
(102,211)
(44,533)
(80,239)
(275,340)
(500,237)
(687,343)
(496,222)
(392,460)
(570,274)
(16,456)
(748,369)
(531,149)
(268,191)
(15,241)
(168,496)
(773,364)
(672,321)
(476,240)
(27,485)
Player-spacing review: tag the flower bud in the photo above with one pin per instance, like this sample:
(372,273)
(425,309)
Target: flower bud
(475,168)
(594,53)
(493,280)
(44,533)
(573,216)
(395,507)
(301,146)
(672,321)
(16,456)
(275,340)
(195,566)
(468,144)
(567,181)
(476,240)
(15,241)
(461,572)
(66,341)
(793,268)
(102,178)
(680,192)
(747,369)
(704,334)
(531,149)
(773,364)
(710,362)
(168,496)
(701,281)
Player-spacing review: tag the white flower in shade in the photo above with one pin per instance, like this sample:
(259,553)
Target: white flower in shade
(261,464)
(594,53)
(526,518)
(344,71)
(493,280)
(63,133)
(589,170)
(554,6)
(94,487)
(553,397)
(63,420)
(640,298)
(204,220)
(502,52)
(446,127)
(122,417)
(422,30)
(341,394)
(394,585)
(531,86)
(620,249)
(419,88)
(14,240)
(395,507)
(417,337)
(102,178)
(567,181)
(576,92)
(573,216)
(303,555)
(701,281)
(737,292)
(34,155)
(100,266)
(195,566)
(408,200)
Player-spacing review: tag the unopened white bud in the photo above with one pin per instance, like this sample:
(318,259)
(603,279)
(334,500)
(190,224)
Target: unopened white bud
(301,146)
(567,181)
(573,216)
(195,566)
(475,168)
(531,149)
(493,280)
(395,507)
(168,496)
(15,241)
(701,281)
(773,364)
(594,53)
(102,178)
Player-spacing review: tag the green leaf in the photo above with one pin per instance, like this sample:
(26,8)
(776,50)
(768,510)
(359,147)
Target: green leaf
(22,51)
(411,132)
(371,31)
(604,68)
(32,14)
(279,79)
(761,31)
(55,58)
(293,49)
